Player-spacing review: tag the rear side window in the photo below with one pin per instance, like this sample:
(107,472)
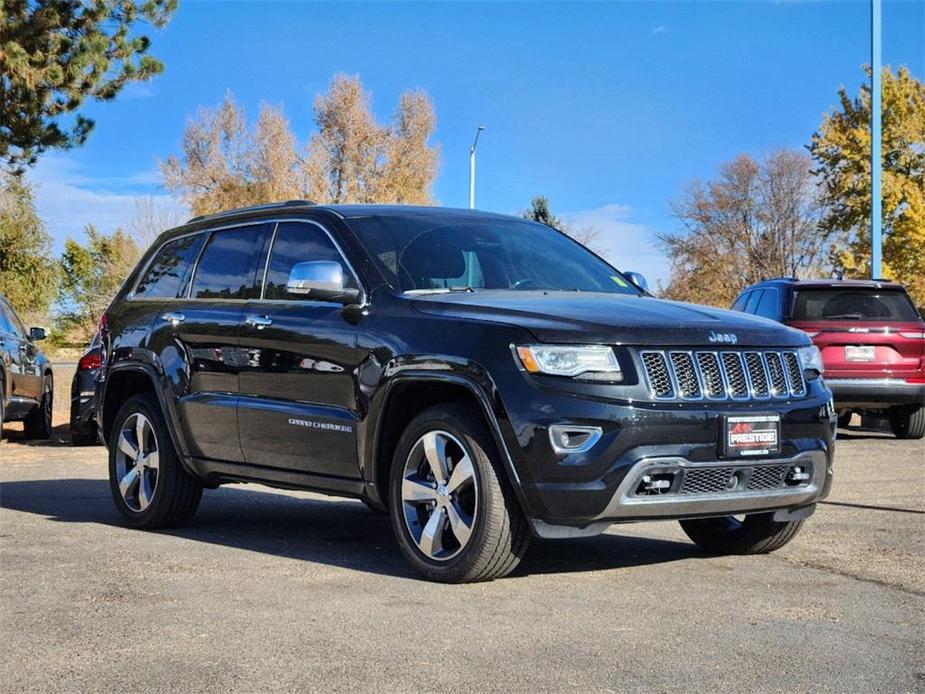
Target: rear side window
(769,305)
(226,267)
(859,303)
(753,300)
(168,272)
(6,323)
(298,242)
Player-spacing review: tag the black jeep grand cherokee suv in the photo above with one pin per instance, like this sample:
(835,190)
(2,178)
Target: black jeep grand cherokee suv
(481,377)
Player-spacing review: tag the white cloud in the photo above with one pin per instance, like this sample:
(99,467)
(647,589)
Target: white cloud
(628,245)
(68,199)
(660,29)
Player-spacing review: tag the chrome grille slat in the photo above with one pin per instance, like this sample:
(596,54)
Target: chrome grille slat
(734,370)
(794,373)
(711,376)
(757,376)
(738,375)
(778,379)
(660,382)
(686,375)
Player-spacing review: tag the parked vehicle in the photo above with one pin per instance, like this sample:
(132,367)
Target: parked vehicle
(482,377)
(871,337)
(83,427)
(26,382)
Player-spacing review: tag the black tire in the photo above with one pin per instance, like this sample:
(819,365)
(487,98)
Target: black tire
(176,493)
(757,534)
(908,424)
(37,424)
(844,419)
(499,533)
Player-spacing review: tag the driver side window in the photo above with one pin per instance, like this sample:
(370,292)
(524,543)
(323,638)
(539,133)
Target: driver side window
(299,242)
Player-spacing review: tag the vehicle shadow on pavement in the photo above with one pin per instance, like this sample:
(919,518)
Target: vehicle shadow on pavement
(60,436)
(340,533)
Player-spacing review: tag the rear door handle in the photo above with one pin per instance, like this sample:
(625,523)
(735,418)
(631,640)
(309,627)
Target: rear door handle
(259,322)
(173,317)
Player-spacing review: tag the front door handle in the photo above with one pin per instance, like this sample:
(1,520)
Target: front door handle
(259,322)
(173,317)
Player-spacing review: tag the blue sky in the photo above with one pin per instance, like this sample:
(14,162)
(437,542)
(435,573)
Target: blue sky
(606,108)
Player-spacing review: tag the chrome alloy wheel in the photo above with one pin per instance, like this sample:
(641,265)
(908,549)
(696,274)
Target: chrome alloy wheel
(137,462)
(439,493)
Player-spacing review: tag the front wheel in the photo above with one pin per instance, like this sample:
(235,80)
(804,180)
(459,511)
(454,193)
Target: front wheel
(755,534)
(148,483)
(453,511)
(908,424)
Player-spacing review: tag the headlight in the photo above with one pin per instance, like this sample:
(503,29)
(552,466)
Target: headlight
(811,358)
(587,363)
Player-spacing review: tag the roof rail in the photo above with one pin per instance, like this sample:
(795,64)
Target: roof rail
(252,208)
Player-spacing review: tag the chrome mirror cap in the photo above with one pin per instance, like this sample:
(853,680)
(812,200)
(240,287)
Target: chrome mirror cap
(638,279)
(317,275)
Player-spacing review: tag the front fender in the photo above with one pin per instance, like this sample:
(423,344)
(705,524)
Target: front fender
(474,379)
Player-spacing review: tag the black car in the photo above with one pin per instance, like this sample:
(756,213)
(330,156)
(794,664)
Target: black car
(26,382)
(481,377)
(83,427)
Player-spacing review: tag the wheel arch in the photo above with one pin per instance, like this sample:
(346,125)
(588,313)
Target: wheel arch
(405,398)
(122,383)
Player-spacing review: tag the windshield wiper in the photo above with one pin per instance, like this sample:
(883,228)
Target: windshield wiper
(438,290)
(845,316)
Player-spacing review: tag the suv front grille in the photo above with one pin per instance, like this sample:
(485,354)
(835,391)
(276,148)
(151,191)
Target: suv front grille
(723,375)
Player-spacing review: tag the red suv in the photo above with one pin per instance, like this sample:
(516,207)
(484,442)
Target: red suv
(871,337)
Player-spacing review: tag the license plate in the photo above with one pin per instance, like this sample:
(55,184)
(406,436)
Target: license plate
(753,434)
(859,353)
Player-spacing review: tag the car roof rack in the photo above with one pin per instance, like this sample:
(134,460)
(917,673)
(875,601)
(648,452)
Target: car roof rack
(252,208)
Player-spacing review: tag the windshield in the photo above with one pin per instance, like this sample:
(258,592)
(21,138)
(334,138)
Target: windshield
(853,304)
(427,253)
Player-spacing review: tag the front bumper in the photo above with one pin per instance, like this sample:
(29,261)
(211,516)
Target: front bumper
(566,495)
(875,392)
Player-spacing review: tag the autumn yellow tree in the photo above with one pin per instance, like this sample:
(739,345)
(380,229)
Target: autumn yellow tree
(841,150)
(349,158)
(756,219)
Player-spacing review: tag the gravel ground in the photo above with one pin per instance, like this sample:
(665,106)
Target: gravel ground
(270,590)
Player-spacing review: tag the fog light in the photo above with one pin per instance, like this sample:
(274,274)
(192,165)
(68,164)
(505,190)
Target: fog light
(567,439)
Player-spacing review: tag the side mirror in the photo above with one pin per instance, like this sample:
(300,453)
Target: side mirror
(638,279)
(322,280)
(36,334)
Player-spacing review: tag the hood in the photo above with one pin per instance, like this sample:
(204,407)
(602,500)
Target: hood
(586,318)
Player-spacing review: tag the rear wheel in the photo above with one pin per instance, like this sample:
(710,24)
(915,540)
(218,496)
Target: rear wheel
(453,511)
(753,534)
(908,424)
(37,424)
(148,483)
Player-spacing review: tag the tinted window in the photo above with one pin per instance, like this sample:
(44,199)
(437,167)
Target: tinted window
(769,304)
(853,304)
(431,252)
(753,300)
(297,242)
(226,267)
(169,270)
(6,325)
(739,304)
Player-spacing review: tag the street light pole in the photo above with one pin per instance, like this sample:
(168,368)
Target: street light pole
(876,212)
(472,167)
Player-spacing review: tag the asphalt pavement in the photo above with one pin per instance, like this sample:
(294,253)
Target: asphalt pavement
(270,590)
